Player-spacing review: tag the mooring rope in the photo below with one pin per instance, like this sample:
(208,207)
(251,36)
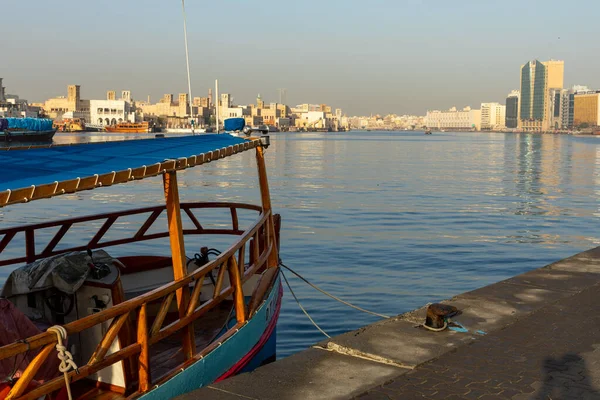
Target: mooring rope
(302,308)
(65,357)
(332,296)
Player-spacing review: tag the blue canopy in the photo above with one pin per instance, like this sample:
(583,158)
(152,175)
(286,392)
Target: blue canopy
(234,124)
(37,166)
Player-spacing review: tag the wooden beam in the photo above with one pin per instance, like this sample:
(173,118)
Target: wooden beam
(178,256)
(30,371)
(238,295)
(108,339)
(144,357)
(265,195)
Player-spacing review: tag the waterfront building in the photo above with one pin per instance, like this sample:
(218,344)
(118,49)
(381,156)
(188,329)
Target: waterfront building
(586,110)
(512,109)
(537,80)
(110,112)
(453,119)
(493,116)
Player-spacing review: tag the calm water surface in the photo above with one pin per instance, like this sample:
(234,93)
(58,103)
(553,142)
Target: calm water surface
(390,221)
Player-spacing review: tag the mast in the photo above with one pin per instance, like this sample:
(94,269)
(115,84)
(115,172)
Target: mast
(217,102)
(187,60)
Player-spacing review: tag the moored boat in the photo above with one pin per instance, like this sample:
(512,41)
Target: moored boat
(26,130)
(135,325)
(128,127)
(18,135)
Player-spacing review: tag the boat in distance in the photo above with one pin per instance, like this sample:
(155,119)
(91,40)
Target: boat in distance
(26,136)
(26,130)
(134,324)
(128,127)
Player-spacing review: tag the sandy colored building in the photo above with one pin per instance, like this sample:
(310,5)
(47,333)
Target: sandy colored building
(453,119)
(586,109)
(493,116)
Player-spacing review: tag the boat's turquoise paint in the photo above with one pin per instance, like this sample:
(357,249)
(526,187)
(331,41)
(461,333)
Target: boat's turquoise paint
(220,360)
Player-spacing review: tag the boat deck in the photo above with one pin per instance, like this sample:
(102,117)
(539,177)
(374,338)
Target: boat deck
(165,355)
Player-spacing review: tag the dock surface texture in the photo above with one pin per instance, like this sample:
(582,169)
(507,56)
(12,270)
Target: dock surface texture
(534,336)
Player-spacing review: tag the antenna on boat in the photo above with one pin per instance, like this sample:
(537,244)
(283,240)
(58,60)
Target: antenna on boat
(217,103)
(187,60)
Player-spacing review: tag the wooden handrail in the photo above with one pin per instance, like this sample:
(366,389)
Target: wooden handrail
(109,219)
(132,304)
(226,261)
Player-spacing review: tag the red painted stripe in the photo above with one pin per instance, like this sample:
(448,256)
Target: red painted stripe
(261,342)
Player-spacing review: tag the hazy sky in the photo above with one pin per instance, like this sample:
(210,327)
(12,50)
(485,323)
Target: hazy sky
(376,56)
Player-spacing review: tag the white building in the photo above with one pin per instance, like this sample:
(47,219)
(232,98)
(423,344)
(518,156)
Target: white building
(465,119)
(493,116)
(110,112)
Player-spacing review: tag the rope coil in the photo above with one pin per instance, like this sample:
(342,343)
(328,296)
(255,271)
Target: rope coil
(65,357)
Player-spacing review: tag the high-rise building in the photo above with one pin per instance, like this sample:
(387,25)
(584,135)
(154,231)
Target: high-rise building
(537,79)
(2,96)
(493,116)
(586,110)
(512,109)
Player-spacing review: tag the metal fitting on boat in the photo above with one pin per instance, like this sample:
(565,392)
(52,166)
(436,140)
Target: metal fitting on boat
(437,315)
(265,141)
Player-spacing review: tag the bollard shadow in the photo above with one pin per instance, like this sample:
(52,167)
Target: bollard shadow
(566,377)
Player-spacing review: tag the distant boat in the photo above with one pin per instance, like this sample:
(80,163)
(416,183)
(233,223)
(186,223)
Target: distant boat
(26,136)
(128,127)
(26,130)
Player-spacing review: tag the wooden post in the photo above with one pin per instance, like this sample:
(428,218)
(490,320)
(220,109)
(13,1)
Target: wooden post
(144,357)
(238,295)
(178,257)
(32,369)
(273,260)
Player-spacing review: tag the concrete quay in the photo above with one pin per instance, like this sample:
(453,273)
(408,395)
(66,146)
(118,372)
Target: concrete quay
(533,336)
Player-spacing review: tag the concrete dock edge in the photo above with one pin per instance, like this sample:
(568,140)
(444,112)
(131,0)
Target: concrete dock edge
(354,363)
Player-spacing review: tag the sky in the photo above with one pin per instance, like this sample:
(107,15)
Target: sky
(367,57)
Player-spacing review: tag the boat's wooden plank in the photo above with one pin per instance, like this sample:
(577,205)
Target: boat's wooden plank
(144,376)
(19,388)
(108,338)
(178,254)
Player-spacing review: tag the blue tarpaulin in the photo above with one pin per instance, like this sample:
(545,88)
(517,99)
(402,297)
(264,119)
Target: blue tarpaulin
(234,124)
(23,168)
(28,124)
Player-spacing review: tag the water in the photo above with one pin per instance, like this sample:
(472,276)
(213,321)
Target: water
(391,220)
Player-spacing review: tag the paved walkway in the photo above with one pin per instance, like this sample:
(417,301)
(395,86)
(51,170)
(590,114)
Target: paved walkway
(554,353)
(533,336)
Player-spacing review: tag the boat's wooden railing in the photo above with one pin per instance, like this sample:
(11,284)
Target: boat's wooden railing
(107,221)
(260,240)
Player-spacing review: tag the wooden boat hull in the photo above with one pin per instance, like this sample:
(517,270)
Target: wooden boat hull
(27,136)
(245,350)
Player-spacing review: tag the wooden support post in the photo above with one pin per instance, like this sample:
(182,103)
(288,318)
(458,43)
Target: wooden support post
(273,260)
(178,257)
(30,245)
(238,294)
(34,366)
(144,357)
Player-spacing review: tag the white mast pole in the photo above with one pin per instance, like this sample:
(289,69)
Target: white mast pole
(217,102)
(187,60)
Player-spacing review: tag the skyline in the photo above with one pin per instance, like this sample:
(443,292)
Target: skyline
(385,59)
